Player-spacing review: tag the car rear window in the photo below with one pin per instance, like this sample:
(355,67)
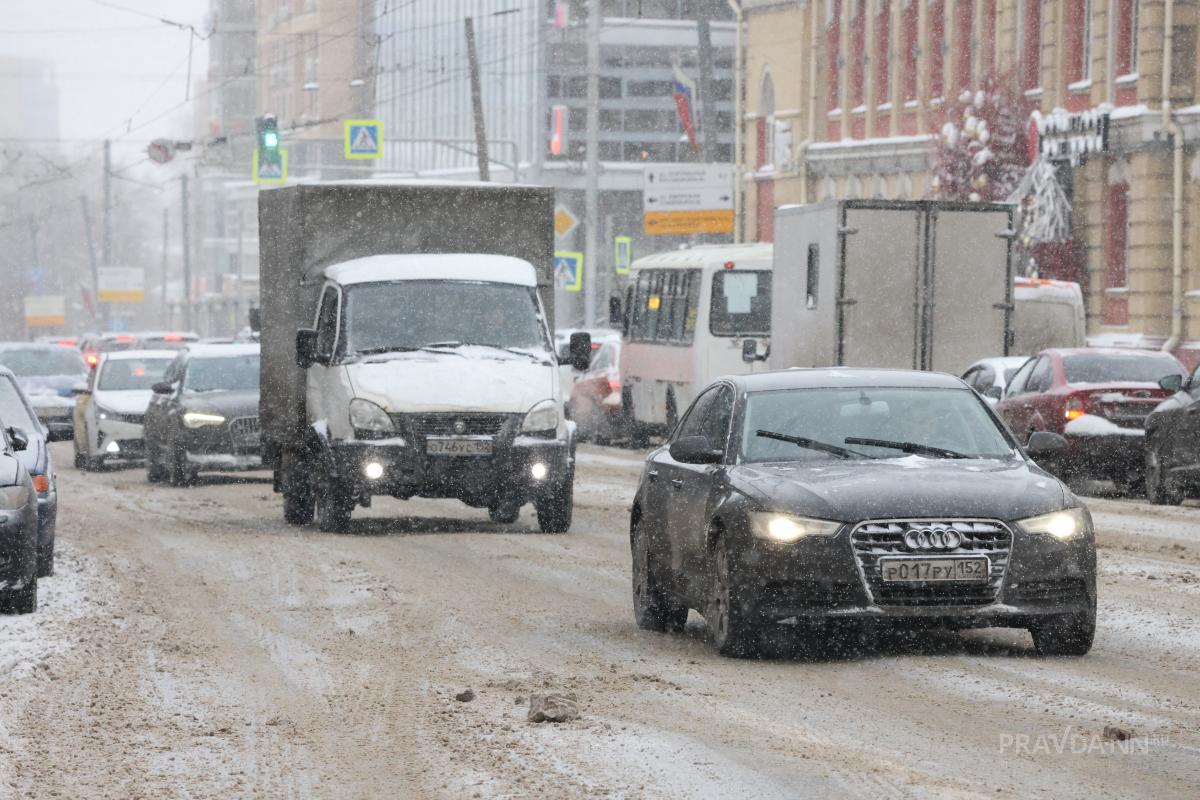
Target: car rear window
(38,361)
(132,374)
(1119,368)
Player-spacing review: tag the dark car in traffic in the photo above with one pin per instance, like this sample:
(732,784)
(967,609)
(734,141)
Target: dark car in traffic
(48,374)
(1173,442)
(1099,399)
(16,412)
(18,527)
(858,498)
(204,414)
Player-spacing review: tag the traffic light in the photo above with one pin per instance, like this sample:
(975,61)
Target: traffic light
(268,134)
(269,159)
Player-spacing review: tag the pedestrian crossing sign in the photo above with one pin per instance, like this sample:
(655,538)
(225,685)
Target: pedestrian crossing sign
(266,170)
(363,138)
(568,271)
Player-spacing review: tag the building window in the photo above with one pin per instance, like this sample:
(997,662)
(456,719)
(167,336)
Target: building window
(883,52)
(833,54)
(937,48)
(812,270)
(964,47)
(911,51)
(858,53)
(1126,55)
(765,132)
(1031,47)
(1079,40)
(987,39)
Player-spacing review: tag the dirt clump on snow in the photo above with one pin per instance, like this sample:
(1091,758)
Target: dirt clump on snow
(553,707)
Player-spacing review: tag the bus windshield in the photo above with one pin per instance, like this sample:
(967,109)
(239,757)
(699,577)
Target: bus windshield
(741,303)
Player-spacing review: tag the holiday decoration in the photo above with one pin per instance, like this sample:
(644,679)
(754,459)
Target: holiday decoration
(981,152)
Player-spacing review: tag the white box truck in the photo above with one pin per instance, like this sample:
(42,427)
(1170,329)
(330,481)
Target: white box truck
(407,349)
(906,284)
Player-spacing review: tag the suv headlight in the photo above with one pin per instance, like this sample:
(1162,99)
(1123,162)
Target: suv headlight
(787,528)
(369,420)
(1062,525)
(198,419)
(102,412)
(542,417)
(13,497)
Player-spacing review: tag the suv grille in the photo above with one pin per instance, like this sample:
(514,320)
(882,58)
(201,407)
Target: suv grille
(244,426)
(871,540)
(422,425)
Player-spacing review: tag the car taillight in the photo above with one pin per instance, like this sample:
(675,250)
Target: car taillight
(41,484)
(92,359)
(614,384)
(1074,409)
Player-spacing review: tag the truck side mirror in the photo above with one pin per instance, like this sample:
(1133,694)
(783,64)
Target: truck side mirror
(581,350)
(750,351)
(615,314)
(255,319)
(1171,383)
(306,347)
(19,439)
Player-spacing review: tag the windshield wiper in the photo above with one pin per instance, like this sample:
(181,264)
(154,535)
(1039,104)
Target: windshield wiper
(811,444)
(514,350)
(907,447)
(376,351)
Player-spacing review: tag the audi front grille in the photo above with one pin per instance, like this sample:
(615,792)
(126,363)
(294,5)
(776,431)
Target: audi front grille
(876,539)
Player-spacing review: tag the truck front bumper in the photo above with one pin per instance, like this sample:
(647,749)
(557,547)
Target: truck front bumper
(517,470)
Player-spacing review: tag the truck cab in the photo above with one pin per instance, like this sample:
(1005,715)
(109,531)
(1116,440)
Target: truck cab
(431,375)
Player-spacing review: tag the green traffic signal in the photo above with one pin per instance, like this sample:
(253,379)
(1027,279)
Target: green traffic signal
(270,139)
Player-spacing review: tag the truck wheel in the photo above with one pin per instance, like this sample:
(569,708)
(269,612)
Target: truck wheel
(155,472)
(334,505)
(504,511)
(653,607)
(297,497)
(22,601)
(554,510)
(1064,634)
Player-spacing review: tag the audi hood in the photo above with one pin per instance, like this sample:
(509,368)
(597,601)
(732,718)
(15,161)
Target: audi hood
(912,487)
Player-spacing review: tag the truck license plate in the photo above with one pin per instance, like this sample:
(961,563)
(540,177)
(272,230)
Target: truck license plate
(907,570)
(458,447)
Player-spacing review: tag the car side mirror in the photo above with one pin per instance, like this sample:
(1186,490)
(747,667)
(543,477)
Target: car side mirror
(993,392)
(19,439)
(694,450)
(580,349)
(163,387)
(1171,383)
(306,347)
(80,388)
(1045,445)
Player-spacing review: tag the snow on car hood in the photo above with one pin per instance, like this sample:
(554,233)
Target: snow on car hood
(460,380)
(124,401)
(898,488)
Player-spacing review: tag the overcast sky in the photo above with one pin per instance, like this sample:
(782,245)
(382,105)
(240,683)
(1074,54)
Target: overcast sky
(117,66)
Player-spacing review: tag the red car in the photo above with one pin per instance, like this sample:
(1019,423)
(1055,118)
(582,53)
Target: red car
(595,401)
(1098,399)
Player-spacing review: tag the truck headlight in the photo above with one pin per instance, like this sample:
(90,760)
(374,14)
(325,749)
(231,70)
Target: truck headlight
(542,417)
(1062,525)
(198,419)
(787,528)
(14,497)
(369,420)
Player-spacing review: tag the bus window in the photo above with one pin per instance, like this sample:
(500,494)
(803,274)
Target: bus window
(741,303)
(664,306)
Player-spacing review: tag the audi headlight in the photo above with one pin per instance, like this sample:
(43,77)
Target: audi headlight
(13,497)
(787,528)
(198,419)
(542,417)
(369,420)
(1062,525)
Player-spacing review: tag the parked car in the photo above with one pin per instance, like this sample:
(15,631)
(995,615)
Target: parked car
(96,343)
(1099,399)
(595,399)
(15,411)
(1173,442)
(48,374)
(111,409)
(989,376)
(857,498)
(18,526)
(204,414)
(165,340)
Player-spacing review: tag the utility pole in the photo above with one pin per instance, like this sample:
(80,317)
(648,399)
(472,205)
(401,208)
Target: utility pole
(481,146)
(91,248)
(106,242)
(591,249)
(239,295)
(187,255)
(708,109)
(163,286)
(33,236)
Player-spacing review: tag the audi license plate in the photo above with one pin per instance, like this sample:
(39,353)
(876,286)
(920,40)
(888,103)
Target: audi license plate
(458,447)
(907,570)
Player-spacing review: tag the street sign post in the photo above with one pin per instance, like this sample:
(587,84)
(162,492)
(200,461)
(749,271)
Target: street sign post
(45,311)
(568,270)
(271,171)
(682,199)
(622,254)
(363,138)
(122,284)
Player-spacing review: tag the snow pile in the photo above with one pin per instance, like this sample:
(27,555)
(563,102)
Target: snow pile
(1091,425)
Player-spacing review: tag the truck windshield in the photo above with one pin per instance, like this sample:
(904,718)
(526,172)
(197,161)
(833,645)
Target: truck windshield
(383,317)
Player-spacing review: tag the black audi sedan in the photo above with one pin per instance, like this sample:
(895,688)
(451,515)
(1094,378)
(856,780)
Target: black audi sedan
(1173,442)
(840,498)
(204,414)
(18,527)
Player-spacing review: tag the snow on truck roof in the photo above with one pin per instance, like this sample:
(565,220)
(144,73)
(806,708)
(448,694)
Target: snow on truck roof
(442,266)
(757,256)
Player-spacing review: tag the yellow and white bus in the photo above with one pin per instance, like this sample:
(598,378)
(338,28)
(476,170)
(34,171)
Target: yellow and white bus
(688,316)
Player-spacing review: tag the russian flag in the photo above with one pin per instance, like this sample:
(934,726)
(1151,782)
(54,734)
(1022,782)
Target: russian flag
(685,103)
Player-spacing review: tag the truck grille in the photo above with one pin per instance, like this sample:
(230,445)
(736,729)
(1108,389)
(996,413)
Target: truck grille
(244,426)
(422,425)
(873,539)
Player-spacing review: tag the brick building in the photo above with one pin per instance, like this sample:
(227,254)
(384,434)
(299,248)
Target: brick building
(842,98)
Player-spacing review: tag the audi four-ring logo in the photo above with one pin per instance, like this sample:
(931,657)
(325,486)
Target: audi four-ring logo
(932,539)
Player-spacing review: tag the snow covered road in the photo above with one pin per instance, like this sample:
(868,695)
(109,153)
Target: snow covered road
(192,645)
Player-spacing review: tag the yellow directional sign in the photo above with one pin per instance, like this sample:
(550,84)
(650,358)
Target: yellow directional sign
(684,222)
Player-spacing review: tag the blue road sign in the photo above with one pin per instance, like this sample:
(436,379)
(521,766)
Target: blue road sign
(568,271)
(363,138)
